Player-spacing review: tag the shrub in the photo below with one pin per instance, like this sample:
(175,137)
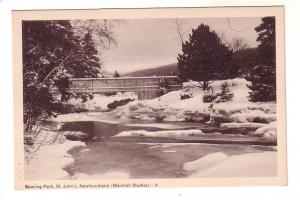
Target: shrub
(225,95)
(209,95)
(108,94)
(163,86)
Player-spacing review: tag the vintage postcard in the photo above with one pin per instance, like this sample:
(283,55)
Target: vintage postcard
(168,97)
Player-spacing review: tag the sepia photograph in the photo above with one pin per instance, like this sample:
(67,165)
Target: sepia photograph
(149,97)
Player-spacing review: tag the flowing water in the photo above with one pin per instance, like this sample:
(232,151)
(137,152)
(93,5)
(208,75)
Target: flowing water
(152,157)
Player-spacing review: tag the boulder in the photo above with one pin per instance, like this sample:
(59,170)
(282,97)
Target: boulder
(219,119)
(76,135)
(196,117)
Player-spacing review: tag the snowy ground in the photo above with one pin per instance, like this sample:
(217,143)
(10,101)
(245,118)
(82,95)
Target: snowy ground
(245,165)
(46,162)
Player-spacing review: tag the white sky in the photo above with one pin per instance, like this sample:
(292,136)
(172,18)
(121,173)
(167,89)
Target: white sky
(146,43)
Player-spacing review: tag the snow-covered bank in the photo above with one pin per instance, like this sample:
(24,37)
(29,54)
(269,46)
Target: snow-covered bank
(238,112)
(156,125)
(47,161)
(268,131)
(169,133)
(170,104)
(242,125)
(245,165)
(107,175)
(75,117)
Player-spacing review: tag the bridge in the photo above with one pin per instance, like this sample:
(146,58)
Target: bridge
(144,87)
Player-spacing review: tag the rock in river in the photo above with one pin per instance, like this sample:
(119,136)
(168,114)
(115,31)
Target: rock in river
(76,135)
(196,117)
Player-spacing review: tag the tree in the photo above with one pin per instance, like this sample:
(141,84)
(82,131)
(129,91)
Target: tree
(204,57)
(52,53)
(116,74)
(263,76)
(266,37)
(225,95)
(101,30)
(237,45)
(47,45)
(84,62)
(180,30)
(245,59)
(263,84)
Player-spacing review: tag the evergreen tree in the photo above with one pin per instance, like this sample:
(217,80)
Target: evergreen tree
(47,45)
(263,76)
(204,57)
(225,95)
(51,54)
(84,62)
(263,87)
(116,74)
(266,36)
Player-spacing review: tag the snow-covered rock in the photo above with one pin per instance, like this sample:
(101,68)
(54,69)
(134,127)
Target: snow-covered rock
(76,135)
(74,117)
(242,125)
(168,133)
(268,131)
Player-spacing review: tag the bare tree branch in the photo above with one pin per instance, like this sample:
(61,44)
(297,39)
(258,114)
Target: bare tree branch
(101,31)
(238,44)
(55,68)
(180,30)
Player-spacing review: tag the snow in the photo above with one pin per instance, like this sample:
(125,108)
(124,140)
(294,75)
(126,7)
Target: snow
(205,162)
(170,151)
(48,161)
(242,125)
(245,165)
(169,133)
(170,107)
(167,145)
(163,126)
(107,175)
(84,150)
(268,131)
(238,113)
(74,117)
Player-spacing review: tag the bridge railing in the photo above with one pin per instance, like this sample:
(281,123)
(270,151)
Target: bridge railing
(122,84)
(145,87)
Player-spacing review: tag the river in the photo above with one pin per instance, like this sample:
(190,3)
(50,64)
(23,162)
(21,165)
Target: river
(152,157)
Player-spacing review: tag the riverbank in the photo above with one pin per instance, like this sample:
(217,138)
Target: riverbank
(171,107)
(46,161)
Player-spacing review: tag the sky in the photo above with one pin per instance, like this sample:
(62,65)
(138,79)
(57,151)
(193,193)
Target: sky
(146,43)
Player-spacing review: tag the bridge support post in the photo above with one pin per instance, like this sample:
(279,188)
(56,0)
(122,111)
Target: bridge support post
(147,94)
